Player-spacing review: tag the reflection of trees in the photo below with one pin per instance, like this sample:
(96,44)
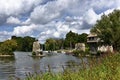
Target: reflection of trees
(71,65)
(76,66)
(7,68)
(7,59)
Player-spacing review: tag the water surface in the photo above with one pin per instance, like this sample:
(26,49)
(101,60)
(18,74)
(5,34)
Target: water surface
(22,63)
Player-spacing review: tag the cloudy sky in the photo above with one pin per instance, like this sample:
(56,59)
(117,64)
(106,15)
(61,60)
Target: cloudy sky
(51,18)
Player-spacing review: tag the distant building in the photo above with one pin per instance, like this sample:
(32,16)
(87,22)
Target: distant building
(92,38)
(96,44)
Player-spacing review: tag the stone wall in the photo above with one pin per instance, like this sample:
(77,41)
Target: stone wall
(36,46)
(80,46)
(105,48)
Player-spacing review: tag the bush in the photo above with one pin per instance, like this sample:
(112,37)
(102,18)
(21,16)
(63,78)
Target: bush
(82,53)
(7,47)
(78,52)
(33,53)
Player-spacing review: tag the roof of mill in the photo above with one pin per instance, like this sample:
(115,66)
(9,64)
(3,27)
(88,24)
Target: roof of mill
(92,35)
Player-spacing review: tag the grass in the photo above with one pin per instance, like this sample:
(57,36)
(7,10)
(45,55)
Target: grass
(106,68)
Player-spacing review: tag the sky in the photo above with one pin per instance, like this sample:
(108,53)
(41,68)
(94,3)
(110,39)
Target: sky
(45,19)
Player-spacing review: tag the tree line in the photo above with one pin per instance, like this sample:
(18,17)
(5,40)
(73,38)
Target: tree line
(16,44)
(24,43)
(67,43)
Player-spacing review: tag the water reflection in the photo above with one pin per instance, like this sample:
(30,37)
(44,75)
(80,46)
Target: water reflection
(22,64)
(6,67)
(7,59)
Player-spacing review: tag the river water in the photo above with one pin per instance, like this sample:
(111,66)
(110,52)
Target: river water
(22,64)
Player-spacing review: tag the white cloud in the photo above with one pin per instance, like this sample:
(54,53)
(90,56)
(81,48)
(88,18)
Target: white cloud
(4,35)
(43,15)
(13,20)
(53,10)
(26,22)
(16,8)
(108,11)
(90,16)
(24,30)
(56,34)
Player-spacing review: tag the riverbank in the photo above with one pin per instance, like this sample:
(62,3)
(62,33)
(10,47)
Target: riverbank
(6,55)
(107,68)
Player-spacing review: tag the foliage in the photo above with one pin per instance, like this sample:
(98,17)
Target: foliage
(78,52)
(108,29)
(69,42)
(71,39)
(81,53)
(50,44)
(54,44)
(24,43)
(102,53)
(7,47)
(33,53)
(106,68)
(82,38)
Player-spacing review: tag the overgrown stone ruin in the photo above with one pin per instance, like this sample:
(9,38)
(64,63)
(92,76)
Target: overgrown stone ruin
(80,46)
(36,49)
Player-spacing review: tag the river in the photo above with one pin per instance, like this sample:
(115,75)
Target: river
(22,63)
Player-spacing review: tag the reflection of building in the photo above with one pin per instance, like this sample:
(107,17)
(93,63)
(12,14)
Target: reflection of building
(96,44)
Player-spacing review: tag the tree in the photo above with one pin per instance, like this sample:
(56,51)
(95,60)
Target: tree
(59,44)
(108,29)
(71,39)
(82,38)
(24,43)
(28,43)
(50,44)
(7,47)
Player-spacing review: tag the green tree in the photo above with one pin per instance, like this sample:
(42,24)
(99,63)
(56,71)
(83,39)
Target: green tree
(82,38)
(54,44)
(71,39)
(28,43)
(24,43)
(7,47)
(108,29)
(50,44)
(19,41)
(59,44)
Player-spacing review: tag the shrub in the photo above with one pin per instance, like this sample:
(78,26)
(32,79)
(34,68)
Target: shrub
(7,47)
(78,52)
(33,53)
